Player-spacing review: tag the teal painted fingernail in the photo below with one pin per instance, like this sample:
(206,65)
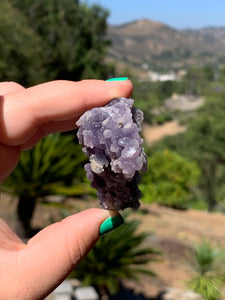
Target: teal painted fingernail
(110,224)
(118,79)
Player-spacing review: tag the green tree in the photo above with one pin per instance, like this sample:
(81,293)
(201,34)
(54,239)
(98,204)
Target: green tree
(73,37)
(148,97)
(207,135)
(117,256)
(21,56)
(169,179)
(207,263)
(199,81)
(47,169)
(203,142)
(166,88)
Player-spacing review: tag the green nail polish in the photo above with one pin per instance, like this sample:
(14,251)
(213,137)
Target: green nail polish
(118,79)
(110,224)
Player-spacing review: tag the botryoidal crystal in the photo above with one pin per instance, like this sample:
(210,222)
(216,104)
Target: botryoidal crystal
(110,136)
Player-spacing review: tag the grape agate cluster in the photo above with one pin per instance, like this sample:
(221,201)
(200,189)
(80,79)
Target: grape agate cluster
(110,138)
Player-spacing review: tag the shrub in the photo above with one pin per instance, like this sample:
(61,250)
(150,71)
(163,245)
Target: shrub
(169,179)
(208,276)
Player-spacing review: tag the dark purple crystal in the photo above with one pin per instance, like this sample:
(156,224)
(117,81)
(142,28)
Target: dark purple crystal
(111,140)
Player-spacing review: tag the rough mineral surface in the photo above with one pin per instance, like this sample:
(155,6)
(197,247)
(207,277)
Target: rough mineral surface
(111,140)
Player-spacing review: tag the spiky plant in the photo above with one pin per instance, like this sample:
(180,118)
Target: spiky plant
(208,264)
(47,169)
(119,255)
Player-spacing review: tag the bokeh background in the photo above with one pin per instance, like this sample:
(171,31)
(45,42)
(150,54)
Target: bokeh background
(174,53)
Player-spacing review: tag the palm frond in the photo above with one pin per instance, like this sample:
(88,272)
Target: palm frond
(42,170)
(117,256)
(208,265)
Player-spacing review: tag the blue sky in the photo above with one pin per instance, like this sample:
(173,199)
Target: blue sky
(176,13)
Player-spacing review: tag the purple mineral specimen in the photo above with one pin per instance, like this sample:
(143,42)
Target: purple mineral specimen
(111,140)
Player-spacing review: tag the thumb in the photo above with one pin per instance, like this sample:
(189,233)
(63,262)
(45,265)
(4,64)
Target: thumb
(52,254)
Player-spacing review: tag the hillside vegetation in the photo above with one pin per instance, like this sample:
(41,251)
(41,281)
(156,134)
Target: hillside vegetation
(165,48)
(183,189)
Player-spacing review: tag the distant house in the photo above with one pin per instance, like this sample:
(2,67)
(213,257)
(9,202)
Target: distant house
(153,76)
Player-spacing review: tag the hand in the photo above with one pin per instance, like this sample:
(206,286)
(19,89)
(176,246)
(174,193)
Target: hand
(27,115)
(33,270)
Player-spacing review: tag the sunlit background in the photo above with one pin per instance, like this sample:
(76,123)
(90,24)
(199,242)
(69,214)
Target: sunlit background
(174,53)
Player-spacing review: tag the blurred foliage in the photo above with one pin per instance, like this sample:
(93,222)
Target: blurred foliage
(205,138)
(208,266)
(47,40)
(115,257)
(197,80)
(169,179)
(150,96)
(203,142)
(21,55)
(53,167)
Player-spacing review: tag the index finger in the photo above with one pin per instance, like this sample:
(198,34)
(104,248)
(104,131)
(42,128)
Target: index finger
(25,111)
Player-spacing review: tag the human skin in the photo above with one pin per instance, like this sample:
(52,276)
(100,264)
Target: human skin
(33,270)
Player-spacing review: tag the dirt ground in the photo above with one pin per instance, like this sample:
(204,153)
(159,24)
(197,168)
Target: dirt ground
(155,133)
(174,232)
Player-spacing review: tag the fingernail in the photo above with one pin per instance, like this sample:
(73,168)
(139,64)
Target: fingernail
(118,79)
(110,224)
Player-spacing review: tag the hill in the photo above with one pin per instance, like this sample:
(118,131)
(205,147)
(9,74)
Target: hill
(161,47)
